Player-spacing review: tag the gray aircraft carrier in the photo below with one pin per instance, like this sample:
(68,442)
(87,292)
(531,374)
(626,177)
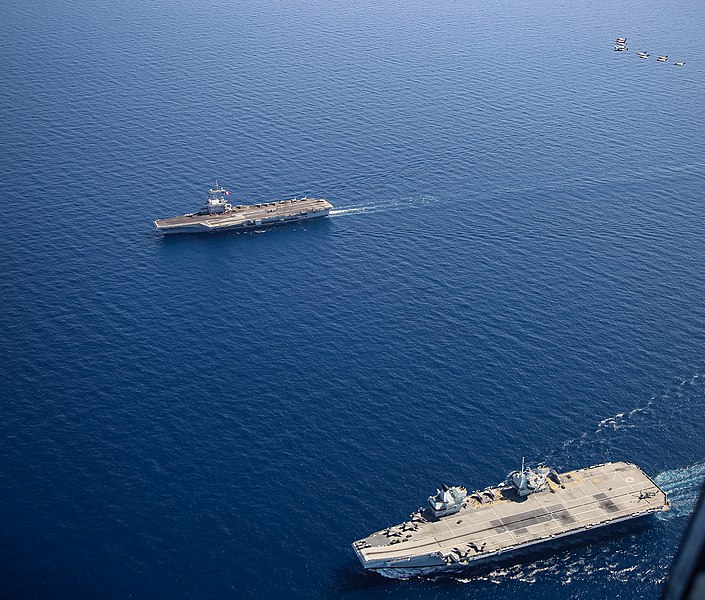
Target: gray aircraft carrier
(219,215)
(532,506)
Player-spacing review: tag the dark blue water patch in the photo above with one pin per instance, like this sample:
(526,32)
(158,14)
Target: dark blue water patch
(513,270)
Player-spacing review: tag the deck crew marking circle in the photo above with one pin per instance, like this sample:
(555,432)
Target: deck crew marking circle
(629,479)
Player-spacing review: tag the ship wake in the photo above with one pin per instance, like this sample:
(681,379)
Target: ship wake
(634,424)
(384,206)
(683,488)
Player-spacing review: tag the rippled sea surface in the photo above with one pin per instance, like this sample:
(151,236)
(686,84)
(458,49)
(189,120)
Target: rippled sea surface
(514,268)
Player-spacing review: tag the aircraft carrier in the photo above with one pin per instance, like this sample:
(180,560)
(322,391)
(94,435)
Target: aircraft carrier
(218,214)
(458,528)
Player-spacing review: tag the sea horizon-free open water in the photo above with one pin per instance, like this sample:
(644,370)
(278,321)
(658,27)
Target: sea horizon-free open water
(513,268)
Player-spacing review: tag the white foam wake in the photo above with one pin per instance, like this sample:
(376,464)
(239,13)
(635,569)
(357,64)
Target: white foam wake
(645,414)
(683,487)
(356,210)
(384,206)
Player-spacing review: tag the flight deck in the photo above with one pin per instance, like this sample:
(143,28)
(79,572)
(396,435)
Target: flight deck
(460,528)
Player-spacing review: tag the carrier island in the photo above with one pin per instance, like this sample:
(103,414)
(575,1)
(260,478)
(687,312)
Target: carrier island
(218,214)
(458,528)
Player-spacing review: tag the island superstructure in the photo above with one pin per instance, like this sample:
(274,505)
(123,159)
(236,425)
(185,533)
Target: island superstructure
(218,214)
(458,528)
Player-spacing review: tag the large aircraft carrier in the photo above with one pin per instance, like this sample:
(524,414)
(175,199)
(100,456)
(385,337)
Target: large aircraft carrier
(532,506)
(218,214)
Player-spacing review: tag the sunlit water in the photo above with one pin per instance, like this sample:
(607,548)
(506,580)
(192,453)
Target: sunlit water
(513,268)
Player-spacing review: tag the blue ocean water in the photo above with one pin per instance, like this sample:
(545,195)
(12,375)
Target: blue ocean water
(514,269)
